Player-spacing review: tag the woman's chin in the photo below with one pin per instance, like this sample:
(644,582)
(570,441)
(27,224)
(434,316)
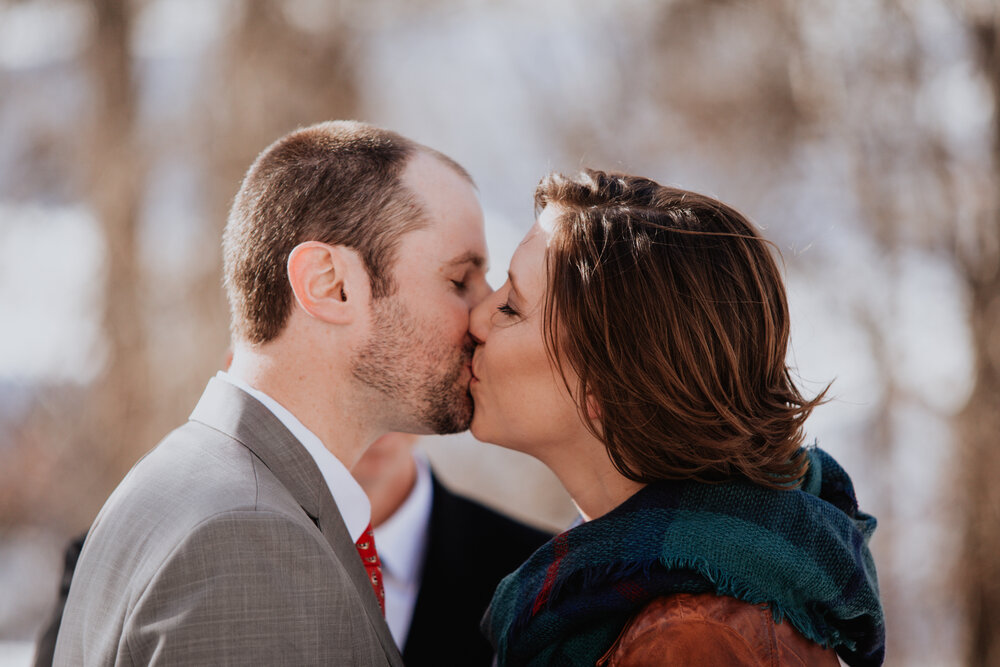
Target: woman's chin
(480,430)
(476,427)
(491,436)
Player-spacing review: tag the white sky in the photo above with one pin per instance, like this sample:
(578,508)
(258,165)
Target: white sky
(50,261)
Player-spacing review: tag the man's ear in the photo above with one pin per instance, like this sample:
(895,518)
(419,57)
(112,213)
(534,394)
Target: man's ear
(327,281)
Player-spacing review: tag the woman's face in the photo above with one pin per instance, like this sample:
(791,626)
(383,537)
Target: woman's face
(521,402)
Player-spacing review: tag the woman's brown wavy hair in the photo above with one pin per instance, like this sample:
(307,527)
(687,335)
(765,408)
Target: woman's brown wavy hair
(671,310)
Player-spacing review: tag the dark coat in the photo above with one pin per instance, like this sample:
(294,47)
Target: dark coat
(46,648)
(469,550)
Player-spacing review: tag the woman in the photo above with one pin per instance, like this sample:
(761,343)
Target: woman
(638,350)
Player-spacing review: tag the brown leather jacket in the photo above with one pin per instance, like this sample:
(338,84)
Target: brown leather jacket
(707,629)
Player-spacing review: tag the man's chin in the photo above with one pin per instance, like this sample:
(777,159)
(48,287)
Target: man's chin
(454,417)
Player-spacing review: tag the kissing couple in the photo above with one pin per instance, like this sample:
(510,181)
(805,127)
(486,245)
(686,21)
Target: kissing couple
(637,349)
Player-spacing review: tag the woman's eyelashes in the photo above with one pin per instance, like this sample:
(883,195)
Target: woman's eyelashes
(459,285)
(506,309)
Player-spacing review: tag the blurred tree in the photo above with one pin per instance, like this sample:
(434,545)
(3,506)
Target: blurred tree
(116,171)
(978,259)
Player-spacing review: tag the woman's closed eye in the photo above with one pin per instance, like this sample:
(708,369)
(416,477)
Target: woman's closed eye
(506,309)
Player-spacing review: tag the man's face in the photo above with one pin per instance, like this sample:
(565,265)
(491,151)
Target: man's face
(419,350)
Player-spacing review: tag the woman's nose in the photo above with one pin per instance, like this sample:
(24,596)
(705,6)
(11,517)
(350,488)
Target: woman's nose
(479,319)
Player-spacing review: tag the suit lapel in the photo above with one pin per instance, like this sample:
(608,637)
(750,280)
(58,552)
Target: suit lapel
(332,526)
(232,411)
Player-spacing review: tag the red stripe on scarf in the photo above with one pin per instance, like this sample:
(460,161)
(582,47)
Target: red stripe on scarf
(630,590)
(561,548)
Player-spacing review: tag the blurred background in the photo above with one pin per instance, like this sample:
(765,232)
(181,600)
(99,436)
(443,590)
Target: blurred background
(863,136)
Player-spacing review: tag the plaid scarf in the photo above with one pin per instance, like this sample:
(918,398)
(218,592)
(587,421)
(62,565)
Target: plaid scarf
(804,552)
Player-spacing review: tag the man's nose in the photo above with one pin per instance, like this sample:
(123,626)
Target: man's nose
(479,319)
(482,292)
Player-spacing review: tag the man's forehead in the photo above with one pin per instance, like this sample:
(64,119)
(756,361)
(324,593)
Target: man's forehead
(425,170)
(454,234)
(473,257)
(442,250)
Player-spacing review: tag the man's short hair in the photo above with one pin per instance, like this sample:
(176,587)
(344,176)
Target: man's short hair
(338,182)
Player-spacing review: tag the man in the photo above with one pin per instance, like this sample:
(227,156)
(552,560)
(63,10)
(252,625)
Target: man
(442,555)
(352,257)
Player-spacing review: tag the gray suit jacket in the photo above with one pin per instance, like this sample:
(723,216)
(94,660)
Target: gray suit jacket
(223,546)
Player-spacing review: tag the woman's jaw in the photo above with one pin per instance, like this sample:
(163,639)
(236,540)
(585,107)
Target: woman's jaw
(521,401)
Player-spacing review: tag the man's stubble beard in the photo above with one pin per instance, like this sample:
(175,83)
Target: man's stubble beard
(416,370)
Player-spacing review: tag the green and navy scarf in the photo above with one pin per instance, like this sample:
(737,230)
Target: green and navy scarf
(803,552)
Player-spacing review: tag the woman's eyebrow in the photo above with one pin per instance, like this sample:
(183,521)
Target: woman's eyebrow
(513,283)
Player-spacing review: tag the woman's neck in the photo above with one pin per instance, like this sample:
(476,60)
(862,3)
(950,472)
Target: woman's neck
(593,482)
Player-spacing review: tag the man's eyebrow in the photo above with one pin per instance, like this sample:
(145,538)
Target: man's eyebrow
(471,257)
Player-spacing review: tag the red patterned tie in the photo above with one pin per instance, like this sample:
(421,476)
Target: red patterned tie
(373,566)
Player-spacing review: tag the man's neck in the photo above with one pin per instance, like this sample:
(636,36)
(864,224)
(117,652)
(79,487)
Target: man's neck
(390,490)
(333,414)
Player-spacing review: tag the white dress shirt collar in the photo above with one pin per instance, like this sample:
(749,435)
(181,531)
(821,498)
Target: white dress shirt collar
(401,538)
(354,506)
(401,541)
